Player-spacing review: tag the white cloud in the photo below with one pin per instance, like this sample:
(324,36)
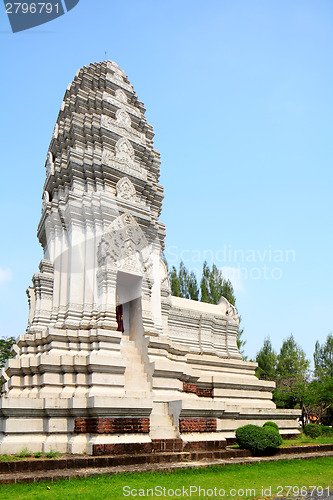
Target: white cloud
(233,274)
(5,275)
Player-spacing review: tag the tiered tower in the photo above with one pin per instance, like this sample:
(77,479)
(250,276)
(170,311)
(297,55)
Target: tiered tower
(110,357)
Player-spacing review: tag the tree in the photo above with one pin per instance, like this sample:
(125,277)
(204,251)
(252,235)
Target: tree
(205,284)
(174,282)
(228,292)
(193,288)
(292,372)
(183,277)
(266,359)
(323,359)
(318,399)
(212,287)
(183,284)
(215,285)
(5,349)
(291,361)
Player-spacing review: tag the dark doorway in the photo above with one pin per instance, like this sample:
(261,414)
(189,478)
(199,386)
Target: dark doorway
(120,318)
(128,308)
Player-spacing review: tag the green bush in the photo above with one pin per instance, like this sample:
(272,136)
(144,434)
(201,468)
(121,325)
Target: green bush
(258,439)
(326,430)
(316,430)
(313,430)
(272,424)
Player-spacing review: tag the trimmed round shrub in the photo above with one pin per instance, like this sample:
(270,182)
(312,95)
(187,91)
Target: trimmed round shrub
(258,439)
(272,424)
(312,430)
(273,438)
(248,436)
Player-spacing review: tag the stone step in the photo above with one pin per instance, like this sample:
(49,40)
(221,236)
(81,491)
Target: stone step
(161,408)
(135,371)
(79,462)
(160,420)
(136,380)
(162,431)
(34,470)
(135,365)
(161,423)
(167,466)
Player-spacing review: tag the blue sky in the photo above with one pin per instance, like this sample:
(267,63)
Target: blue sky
(240,97)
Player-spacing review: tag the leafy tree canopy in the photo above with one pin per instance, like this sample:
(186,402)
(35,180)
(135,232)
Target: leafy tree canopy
(323,359)
(5,349)
(266,359)
(291,361)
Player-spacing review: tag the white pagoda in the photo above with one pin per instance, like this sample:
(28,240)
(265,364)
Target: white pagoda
(111,360)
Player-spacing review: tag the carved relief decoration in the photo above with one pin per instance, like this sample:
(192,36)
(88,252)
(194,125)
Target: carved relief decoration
(124,151)
(55,131)
(165,281)
(49,165)
(46,200)
(125,189)
(123,119)
(124,246)
(232,313)
(121,96)
(228,309)
(126,166)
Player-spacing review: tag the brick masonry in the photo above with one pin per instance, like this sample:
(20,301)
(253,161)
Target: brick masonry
(205,393)
(111,426)
(156,446)
(197,424)
(192,388)
(199,391)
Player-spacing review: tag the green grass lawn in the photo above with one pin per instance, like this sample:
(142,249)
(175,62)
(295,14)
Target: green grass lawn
(235,480)
(303,439)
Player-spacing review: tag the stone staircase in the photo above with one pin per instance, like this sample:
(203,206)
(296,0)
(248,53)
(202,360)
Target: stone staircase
(161,423)
(136,380)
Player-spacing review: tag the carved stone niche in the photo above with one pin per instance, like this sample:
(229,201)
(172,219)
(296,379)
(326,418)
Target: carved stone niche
(125,189)
(124,247)
(121,96)
(124,151)
(123,119)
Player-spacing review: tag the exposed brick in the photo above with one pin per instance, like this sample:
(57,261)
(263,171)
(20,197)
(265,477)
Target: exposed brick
(205,393)
(197,425)
(111,426)
(199,391)
(189,388)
